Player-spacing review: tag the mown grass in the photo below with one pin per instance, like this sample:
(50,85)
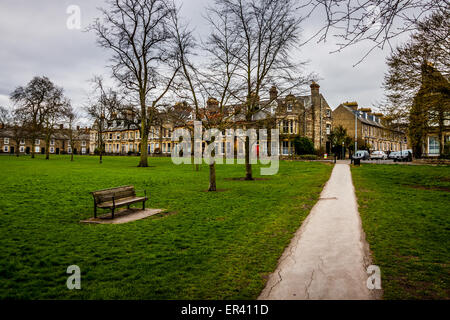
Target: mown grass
(405,212)
(213,246)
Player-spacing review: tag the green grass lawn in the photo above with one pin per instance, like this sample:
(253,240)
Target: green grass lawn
(405,212)
(213,246)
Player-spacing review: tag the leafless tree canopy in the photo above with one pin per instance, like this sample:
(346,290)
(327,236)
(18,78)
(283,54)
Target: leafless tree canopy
(103,105)
(430,44)
(137,33)
(40,106)
(378,21)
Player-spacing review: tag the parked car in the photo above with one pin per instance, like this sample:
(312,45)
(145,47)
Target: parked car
(404,155)
(393,155)
(378,155)
(361,155)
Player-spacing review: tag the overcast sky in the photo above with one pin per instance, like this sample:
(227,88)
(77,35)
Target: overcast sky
(34,40)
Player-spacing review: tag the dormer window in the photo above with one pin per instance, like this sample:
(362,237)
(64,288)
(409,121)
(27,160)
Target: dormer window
(328,113)
(289,107)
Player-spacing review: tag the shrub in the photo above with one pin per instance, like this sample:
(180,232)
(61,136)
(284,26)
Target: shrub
(303,145)
(446,152)
(308,157)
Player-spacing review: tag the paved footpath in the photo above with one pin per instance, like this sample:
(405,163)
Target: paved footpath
(328,256)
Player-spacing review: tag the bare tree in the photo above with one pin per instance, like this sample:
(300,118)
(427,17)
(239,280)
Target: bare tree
(264,34)
(104,103)
(14,125)
(4,115)
(55,112)
(71,131)
(136,31)
(377,21)
(214,78)
(37,106)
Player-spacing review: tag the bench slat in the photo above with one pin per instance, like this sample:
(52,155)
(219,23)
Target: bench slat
(118,193)
(122,202)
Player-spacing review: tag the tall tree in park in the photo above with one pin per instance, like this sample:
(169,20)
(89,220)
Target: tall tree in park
(136,32)
(266,31)
(430,108)
(417,72)
(199,83)
(103,105)
(378,22)
(55,112)
(430,44)
(39,105)
(72,132)
(15,126)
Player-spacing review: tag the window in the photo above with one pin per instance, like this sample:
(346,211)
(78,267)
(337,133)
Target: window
(433,145)
(83,143)
(22,149)
(110,136)
(291,126)
(328,128)
(285,126)
(36,149)
(22,141)
(285,149)
(168,147)
(6,141)
(83,150)
(37,142)
(5,148)
(52,150)
(52,142)
(289,107)
(69,150)
(328,113)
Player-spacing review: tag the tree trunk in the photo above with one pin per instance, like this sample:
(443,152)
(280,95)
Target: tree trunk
(144,144)
(47,149)
(248,165)
(101,148)
(32,147)
(143,162)
(440,134)
(71,156)
(212,177)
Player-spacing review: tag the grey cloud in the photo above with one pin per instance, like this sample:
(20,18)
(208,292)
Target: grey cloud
(35,41)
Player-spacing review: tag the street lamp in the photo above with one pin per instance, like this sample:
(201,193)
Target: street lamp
(343,156)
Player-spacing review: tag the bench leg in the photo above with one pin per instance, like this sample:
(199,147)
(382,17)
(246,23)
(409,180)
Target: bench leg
(143,205)
(112,212)
(95,211)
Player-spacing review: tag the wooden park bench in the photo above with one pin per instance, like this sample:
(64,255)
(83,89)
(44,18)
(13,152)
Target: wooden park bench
(116,197)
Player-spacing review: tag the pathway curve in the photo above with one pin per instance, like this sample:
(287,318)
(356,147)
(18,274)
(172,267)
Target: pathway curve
(328,256)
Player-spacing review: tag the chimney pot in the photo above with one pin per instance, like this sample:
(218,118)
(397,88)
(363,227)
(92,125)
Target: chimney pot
(273,93)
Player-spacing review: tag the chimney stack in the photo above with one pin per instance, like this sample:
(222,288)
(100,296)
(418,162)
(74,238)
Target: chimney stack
(61,126)
(314,88)
(273,93)
(353,105)
(78,128)
(212,103)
